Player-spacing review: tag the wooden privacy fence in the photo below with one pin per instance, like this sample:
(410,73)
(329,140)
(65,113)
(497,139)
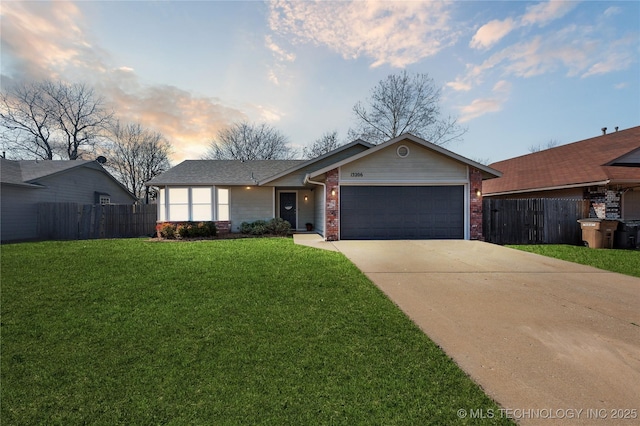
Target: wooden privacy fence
(72,221)
(533,221)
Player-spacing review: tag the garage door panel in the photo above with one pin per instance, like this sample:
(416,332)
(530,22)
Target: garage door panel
(402,212)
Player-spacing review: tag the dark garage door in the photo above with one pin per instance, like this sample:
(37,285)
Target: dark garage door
(401,212)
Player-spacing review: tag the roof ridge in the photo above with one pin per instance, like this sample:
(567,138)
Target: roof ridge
(569,144)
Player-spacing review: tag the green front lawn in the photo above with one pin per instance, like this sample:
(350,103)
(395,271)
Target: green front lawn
(622,261)
(256,331)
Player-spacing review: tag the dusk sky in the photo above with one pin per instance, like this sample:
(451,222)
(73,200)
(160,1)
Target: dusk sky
(515,73)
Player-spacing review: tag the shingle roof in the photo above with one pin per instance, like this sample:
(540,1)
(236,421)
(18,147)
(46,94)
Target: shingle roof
(222,172)
(10,172)
(33,170)
(28,172)
(25,172)
(576,164)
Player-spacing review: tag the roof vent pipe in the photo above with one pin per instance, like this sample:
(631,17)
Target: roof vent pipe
(616,128)
(604,130)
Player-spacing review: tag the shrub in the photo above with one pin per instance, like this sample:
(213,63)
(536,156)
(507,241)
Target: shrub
(245,228)
(208,229)
(187,230)
(259,227)
(279,226)
(166,230)
(183,230)
(275,226)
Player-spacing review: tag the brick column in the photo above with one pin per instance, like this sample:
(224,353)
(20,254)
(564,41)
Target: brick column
(475,204)
(223,227)
(332,207)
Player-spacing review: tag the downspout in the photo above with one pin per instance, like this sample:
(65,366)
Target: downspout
(324,201)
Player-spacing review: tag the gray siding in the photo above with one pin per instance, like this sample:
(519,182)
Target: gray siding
(631,204)
(318,206)
(248,205)
(19,213)
(421,166)
(297,178)
(305,208)
(79,185)
(18,220)
(631,158)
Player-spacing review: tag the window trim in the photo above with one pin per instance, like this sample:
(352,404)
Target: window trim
(210,204)
(165,204)
(227,204)
(403,147)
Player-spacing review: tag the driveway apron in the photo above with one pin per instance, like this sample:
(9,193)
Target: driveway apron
(551,341)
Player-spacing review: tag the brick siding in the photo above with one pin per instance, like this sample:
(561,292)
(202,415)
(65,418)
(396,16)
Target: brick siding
(605,203)
(332,206)
(223,226)
(475,204)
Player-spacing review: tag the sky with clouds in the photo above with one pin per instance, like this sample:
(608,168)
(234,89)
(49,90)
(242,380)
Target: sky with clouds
(514,73)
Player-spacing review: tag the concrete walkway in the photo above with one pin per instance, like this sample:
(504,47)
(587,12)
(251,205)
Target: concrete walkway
(550,341)
(313,240)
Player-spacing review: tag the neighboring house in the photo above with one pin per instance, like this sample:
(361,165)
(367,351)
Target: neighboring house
(605,170)
(405,188)
(26,183)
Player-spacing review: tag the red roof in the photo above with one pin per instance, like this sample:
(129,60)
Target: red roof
(576,164)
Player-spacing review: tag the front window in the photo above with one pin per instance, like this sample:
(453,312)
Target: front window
(201,204)
(194,204)
(162,205)
(223,204)
(179,204)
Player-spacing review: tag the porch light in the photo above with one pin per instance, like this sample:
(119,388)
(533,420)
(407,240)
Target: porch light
(306,197)
(478,192)
(248,187)
(333,192)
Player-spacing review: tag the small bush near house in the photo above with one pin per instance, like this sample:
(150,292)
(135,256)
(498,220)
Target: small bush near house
(166,230)
(279,226)
(259,227)
(187,230)
(275,226)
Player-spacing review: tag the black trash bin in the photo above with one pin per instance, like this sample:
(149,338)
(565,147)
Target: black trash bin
(628,235)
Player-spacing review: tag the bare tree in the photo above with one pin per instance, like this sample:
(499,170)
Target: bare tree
(28,121)
(551,143)
(49,119)
(326,143)
(245,141)
(136,155)
(485,161)
(81,115)
(404,104)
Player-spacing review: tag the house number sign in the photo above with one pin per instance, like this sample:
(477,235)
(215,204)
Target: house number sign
(357,174)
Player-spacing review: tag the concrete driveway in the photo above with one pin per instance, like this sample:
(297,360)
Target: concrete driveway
(543,337)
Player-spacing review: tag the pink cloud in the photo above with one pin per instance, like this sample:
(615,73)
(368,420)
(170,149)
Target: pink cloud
(43,40)
(479,107)
(394,33)
(492,32)
(545,12)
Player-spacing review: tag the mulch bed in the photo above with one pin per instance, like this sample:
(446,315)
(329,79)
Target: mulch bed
(227,236)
